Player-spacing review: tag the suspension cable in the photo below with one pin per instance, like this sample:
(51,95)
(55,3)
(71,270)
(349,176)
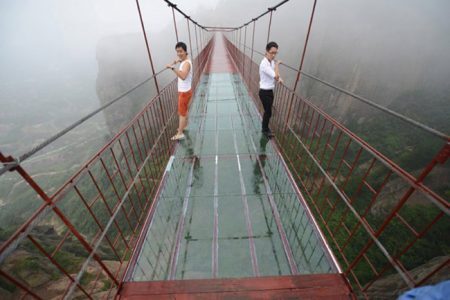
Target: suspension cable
(174,6)
(175,25)
(270,25)
(53,138)
(16,161)
(269,10)
(404,118)
(299,71)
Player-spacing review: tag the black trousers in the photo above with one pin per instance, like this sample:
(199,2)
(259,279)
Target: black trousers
(266,97)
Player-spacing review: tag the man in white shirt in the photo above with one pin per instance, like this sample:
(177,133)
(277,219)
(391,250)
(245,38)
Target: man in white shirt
(268,74)
(184,74)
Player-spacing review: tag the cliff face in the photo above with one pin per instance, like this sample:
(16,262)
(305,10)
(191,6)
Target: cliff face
(123,63)
(391,286)
(27,265)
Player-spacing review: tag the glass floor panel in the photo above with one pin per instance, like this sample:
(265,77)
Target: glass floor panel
(227,207)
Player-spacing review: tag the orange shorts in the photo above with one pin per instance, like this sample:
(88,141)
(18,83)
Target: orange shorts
(183,102)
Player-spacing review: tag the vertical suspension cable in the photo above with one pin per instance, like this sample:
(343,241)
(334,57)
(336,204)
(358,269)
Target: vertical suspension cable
(196,40)
(235,41)
(305,46)
(203,36)
(151,60)
(245,43)
(200,37)
(270,25)
(239,41)
(239,44)
(253,44)
(175,25)
(190,41)
(301,64)
(147,44)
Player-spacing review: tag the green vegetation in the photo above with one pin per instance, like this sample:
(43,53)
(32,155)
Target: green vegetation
(106,284)
(332,213)
(6,285)
(29,264)
(69,261)
(87,278)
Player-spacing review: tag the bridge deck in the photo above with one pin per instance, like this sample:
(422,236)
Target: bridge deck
(227,207)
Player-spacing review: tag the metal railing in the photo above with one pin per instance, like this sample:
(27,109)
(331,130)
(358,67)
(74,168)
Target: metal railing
(359,197)
(83,236)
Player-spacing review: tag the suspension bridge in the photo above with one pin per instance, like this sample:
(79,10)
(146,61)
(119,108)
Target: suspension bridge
(228,213)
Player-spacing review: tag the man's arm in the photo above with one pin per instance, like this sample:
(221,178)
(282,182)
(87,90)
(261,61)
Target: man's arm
(183,73)
(275,74)
(277,70)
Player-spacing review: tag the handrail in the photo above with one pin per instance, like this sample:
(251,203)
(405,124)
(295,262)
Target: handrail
(335,170)
(395,114)
(61,133)
(17,161)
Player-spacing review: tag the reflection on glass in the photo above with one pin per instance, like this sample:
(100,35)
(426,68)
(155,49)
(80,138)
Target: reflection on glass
(257,175)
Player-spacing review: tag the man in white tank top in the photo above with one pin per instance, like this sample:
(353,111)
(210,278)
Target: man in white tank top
(184,74)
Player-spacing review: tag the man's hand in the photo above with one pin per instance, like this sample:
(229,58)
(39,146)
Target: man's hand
(172,65)
(278,62)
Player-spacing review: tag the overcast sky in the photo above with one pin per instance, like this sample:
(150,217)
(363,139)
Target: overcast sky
(50,37)
(45,35)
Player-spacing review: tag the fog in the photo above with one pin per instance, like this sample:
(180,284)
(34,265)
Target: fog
(49,58)
(392,45)
(55,56)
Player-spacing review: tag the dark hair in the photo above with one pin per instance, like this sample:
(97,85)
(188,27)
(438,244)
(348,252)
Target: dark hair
(270,45)
(181,45)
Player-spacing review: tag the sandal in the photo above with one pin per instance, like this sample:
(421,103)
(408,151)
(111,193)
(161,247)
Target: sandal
(177,137)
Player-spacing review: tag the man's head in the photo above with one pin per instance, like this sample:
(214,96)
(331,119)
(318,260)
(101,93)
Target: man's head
(271,50)
(181,50)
